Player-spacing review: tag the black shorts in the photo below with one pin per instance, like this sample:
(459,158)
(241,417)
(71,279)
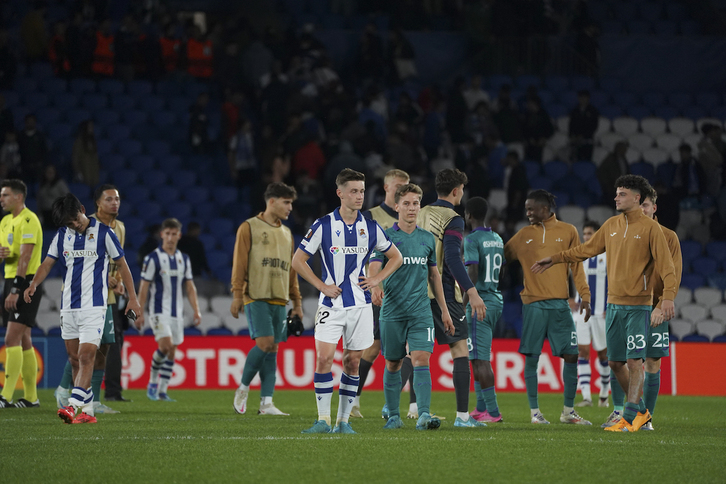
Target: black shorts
(458,317)
(376,325)
(26,312)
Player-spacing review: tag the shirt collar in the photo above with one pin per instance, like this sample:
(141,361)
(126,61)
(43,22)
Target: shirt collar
(336,215)
(443,203)
(389,210)
(482,229)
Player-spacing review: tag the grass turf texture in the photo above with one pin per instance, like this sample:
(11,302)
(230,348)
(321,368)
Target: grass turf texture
(200,438)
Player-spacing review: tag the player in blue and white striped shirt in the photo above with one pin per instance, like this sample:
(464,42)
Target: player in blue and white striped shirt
(86,247)
(165,273)
(593,331)
(345,240)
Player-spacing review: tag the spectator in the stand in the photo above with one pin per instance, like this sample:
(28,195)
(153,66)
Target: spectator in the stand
(506,118)
(10,165)
(400,153)
(371,62)
(34,34)
(33,149)
(274,100)
(171,50)
(229,69)
(434,127)
(58,52)
(474,94)
(7,122)
(51,187)
(85,161)
(309,159)
(472,160)
(8,62)
(516,185)
(243,163)
(79,46)
(481,129)
(199,55)
(689,179)
(257,60)
(408,111)
(346,158)
(537,127)
(711,153)
(199,124)
(104,52)
(125,46)
(401,57)
(584,119)
(456,112)
(612,167)
(191,245)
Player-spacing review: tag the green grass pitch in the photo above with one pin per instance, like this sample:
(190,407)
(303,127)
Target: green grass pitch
(199,438)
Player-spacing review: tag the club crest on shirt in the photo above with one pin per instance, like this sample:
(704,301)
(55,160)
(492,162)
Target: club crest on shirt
(90,236)
(265,239)
(362,234)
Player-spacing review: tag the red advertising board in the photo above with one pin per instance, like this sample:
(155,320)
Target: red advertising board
(217,362)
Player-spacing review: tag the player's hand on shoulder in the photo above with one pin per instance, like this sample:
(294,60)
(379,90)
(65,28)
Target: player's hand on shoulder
(237,305)
(542,265)
(656,318)
(332,291)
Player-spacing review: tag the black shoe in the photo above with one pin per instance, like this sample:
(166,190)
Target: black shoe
(117,398)
(4,403)
(23,403)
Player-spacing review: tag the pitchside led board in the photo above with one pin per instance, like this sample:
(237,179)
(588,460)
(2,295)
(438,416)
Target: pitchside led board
(216,362)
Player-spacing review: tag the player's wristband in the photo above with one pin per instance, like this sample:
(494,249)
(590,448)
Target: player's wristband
(18,282)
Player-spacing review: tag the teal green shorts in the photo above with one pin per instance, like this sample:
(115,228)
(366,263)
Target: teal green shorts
(480,332)
(417,331)
(265,319)
(627,331)
(109,333)
(658,341)
(551,318)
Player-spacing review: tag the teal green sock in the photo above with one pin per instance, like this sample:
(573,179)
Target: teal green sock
(392,391)
(67,378)
(650,390)
(618,394)
(253,364)
(631,410)
(422,387)
(641,406)
(96,381)
(481,404)
(569,376)
(490,396)
(530,379)
(268,375)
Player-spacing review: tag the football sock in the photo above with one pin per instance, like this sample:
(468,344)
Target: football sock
(631,410)
(530,379)
(618,395)
(363,368)
(67,378)
(422,388)
(346,394)
(96,380)
(406,371)
(78,397)
(411,393)
(462,382)
(651,387)
(490,396)
(88,402)
(156,361)
(13,364)
(481,404)
(604,370)
(253,364)
(323,394)
(569,377)
(29,373)
(268,375)
(641,406)
(392,391)
(167,368)
(583,378)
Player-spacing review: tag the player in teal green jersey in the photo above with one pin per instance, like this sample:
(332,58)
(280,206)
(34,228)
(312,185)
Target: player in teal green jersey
(483,256)
(406,310)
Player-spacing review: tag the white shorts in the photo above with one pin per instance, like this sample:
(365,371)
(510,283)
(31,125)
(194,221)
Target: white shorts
(167,326)
(85,325)
(591,332)
(355,325)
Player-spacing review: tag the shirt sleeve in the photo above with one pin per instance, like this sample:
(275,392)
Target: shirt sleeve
(471,251)
(664,265)
(113,246)
(383,243)
(432,251)
(55,246)
(148,269)
(30,232)
(591,248)
(452,253)
(188,276)
(578,271)
(312,240)
(240,260)
(510,251)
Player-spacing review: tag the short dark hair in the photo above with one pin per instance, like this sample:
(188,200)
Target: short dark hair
(98,192)
(280,190)
(65,209)
(448,179)
(544,197)
(635,183)
(408,188)
(16,186)
(652,194)
(477,207)
(592,224)
(171,223)
(348,175)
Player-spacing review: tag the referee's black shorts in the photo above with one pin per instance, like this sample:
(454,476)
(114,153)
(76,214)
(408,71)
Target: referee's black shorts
(26,312)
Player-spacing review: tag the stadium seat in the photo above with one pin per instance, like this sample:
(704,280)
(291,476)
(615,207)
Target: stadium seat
(611,111)
(676,11)
(47,116)
(123,103)
(129,148)
(701,120)
(668,142)
(684,296)
(694,112)
(137,194)
(665,172)
(609,140)
(209,240)
(599,98)
(77,116)
(567,98)
(152,104)
(625,98)
(692,281)
(611,84)
(498,80)
(680,328)
(112,163)
(717,250)
(690,28)
(192,331)
(217,258)
(59,131)
(94,102)
(666,112)
(653,126)
(64,101)
(599,154)
(106,118)
(163,119)
(665,28)
(221,227)
(638,111)
(196,194)
(526,80)
(710,328)
(584,170)
(708,296)
(133,118)
(694,313)
(600,213)
(557,83)
(154,179)
(104,147)
(149,212)
(169,163)
(224,195)
(718,312)
(118,133)
(158,149)
(498,199)
(563,124)
(656,157)
(640,141)
(140,88)
(556,170)
(541,183)
(694,338)
(112,87)
(220,331)
(203,211)
(179,105)
(643,169)
(680,100)
(704,265)
(708,99)
(625,125)
(572,214)
(81,86)
(692,140)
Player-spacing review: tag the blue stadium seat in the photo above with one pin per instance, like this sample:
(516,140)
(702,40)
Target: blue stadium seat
(203,211)
(192,331)
(625,98)
(562,198)
(154,179)
(557,84)
(584,199)
(94,102)
(676,11)
(124,178)
(611,111)
(717,250)
(546,97)
(118,132)
(653,99)
(218,258)
(665,173)
(718,112)
(56,331)
(694,112)
(650,11)
(149,212)
(665,28)
(151,103)
(114,87)
(140,88)
(611,84)
(227,242)
(541,182)
(690,27)
(221,226)
(106,117)
(580,83)
(666,112)
(133,118)
(557,110)
(54,86)
(82,86)
(59,131)
(129,148)
(134,225)
(717,339)
(643,169)
(48,116)
(526,80)
(36,100)
(223,273)
(209,241)
(138,194)
(80,190)
(36,331)
(12,98)
(124,103)
(599,98)
(141,163)
(104,147)
(179,105)
(695,338)
(224,195)
(194,89)
(173,207)
(196,194)
(165,194)
(26,86)
(77,116)
(690,249)
(113,163)
(163,119)
(498,80)
(183,179)
(533,169)
(638,111)
(221,331)
(556,170)
(584,170)
(158,149)
(169,163)
(168,88)
(680,100)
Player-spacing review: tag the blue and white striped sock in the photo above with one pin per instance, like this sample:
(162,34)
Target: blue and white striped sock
(604,369)
(156,361)
(167,368)
(78,398)
(88,403)
(583,378)
(346,392)
(323,394)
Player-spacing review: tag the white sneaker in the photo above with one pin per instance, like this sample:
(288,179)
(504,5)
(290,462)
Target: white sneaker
(647,426)
(584,403)
(573,418)
(61,396)
(240,400)
(613,419)
(412,414)
(270,409)
(538,418)
(99,407)
(355,412)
